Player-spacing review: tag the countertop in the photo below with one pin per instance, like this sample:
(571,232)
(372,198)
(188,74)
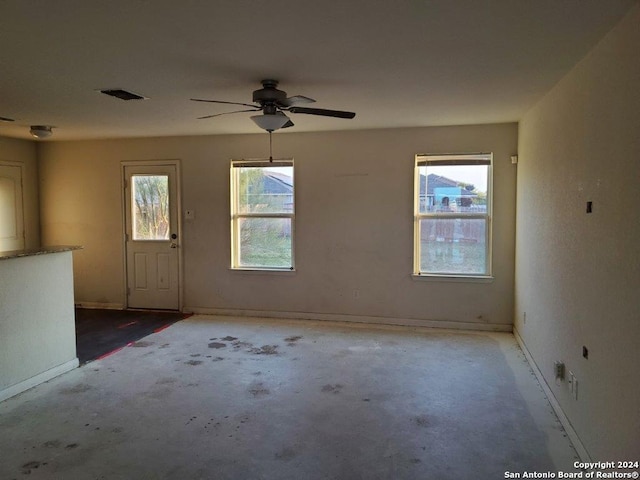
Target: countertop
(44,250)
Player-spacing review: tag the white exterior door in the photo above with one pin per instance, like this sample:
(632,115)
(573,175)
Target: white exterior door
(11,210)
(152,236)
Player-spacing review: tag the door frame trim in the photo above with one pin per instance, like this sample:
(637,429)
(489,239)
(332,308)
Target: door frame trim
(123,207)
(21,166)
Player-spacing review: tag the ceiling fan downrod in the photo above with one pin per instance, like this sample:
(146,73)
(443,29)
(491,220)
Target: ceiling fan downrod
(270,147)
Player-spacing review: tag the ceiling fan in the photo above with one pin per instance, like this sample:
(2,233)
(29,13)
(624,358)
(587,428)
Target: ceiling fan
(273,103)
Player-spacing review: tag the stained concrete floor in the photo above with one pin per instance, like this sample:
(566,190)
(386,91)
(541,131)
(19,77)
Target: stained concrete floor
(232,398)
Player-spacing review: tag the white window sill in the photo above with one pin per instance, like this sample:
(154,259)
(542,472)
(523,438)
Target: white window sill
(263,271)
(453,278)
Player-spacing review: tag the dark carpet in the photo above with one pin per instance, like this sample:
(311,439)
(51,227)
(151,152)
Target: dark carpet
(102,332)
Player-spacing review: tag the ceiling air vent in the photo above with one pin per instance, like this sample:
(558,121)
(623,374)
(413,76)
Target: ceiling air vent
(123,94)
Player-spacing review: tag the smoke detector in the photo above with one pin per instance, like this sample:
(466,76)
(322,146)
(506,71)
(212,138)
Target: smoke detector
(40,131)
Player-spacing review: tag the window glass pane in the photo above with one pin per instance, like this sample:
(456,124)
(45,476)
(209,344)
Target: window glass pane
(265,242)
(453,188)
(265,189)
(150,207)
(453,245)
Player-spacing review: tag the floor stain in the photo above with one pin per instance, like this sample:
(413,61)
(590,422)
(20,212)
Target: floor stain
(194,362)
(229,338)
(195,355)
(421,421)
(286,454)
(217,345)
(237,345)
(291,341)
(71,446)
(332,388)
(217,359)
(52,444)
(259,390)
(81,388)
(164,345)
(265,350)
(141,344)
(27,467)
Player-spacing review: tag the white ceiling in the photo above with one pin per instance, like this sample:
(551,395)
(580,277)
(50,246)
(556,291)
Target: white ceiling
(397,63)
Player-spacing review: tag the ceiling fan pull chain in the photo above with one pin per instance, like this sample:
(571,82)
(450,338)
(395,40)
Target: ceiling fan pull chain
(270,147)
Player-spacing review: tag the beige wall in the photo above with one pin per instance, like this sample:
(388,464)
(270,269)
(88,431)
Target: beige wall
(24,152)
(578,274)
(354,227)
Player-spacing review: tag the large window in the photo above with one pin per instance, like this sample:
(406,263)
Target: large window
(262,215)
(453,215)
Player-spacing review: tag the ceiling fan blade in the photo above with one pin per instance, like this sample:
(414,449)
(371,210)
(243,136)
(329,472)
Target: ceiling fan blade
(227,103)
(226,113)
(323,112)
(295,100)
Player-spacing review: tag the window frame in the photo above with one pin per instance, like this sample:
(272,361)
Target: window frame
(453,159)
(236,216)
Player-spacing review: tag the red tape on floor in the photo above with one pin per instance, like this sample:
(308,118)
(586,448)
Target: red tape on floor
(128,324)
(164,327)
(113,351)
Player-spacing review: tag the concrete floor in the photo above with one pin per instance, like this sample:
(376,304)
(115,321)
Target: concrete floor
(231,398)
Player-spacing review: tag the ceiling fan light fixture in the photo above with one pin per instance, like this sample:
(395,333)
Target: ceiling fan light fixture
(40,131)
(270,122)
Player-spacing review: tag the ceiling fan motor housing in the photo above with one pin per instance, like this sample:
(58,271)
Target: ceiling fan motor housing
(269,95)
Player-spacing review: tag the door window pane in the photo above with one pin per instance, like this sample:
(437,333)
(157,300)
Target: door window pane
(150,207)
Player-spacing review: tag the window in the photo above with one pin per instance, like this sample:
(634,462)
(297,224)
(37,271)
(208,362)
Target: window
(262,215)
(453,215)
(150,207)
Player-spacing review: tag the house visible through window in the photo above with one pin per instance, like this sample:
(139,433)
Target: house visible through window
(453,215)
(262,215)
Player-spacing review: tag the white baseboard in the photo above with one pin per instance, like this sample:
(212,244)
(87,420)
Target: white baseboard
(333,317)
(100,305)
(562,417)
(14,390)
